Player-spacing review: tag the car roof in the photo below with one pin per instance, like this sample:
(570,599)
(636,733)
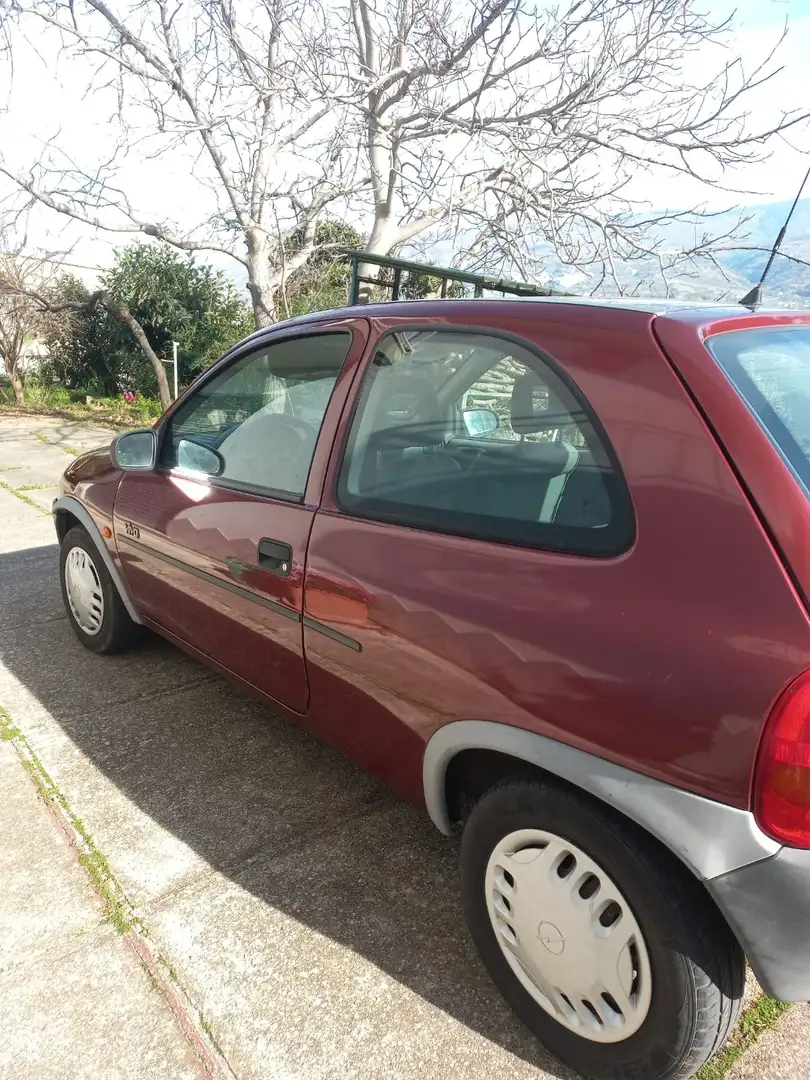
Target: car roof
(650,306)
(710,317)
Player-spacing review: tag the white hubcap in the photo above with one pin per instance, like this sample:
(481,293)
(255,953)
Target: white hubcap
(84,592)
(569,935)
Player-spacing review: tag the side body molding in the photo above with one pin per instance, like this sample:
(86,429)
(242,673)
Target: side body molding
(708,836)
(72,506)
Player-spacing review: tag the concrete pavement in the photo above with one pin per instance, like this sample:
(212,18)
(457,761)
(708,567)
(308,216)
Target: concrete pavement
(292,918)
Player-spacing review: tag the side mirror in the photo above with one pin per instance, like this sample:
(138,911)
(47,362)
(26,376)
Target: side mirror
(480,421)
(135,450)
(197,458)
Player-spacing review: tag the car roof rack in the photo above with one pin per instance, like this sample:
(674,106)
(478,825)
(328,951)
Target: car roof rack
(480,282)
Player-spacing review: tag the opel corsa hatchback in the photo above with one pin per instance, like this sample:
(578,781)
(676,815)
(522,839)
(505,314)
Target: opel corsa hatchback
(544,568)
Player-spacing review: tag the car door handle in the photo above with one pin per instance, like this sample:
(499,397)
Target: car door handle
(275,557)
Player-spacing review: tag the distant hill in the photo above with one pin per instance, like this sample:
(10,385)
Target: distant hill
(788,283)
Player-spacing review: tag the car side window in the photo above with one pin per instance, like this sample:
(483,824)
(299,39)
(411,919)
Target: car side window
(471,433)
(257,422)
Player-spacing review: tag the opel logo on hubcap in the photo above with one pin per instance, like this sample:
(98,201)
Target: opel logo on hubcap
(551,938)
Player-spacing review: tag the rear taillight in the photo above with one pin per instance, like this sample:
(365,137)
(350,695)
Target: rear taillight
(782,779)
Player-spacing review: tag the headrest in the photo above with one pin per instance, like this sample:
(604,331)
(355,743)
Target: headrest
(406,411)
(531,413)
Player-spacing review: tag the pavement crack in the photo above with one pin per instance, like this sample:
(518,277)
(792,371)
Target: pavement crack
(152,695)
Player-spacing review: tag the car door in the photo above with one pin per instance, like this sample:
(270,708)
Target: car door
(472,517)
(213,541)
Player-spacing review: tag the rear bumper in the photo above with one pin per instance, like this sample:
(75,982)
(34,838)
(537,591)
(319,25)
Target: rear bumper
(767,905)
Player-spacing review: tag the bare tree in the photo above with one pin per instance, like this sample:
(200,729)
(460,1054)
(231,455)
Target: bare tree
(20,314)
(502,123)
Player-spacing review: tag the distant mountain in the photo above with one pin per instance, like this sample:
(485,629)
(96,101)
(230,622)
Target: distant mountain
(788,283)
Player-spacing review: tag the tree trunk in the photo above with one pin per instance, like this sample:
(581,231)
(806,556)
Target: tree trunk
(378,244)
(262,294)
(16,384)
(124,315)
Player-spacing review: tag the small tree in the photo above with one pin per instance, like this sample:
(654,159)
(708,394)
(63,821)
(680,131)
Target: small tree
(176,299)
(323,281)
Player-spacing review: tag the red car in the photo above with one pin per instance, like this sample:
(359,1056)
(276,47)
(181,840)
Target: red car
(543,566)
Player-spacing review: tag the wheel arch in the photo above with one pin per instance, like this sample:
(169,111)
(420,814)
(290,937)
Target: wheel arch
(709,837)
(67,512)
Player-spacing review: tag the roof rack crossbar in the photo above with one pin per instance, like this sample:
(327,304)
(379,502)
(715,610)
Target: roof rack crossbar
(480,282)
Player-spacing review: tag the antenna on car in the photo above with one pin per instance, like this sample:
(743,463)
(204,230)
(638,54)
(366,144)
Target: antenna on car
(753,298)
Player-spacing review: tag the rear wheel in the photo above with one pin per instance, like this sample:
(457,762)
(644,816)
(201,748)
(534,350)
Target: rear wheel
(95,610)
(607,948)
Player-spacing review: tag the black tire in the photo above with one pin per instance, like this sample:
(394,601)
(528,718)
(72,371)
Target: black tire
(117,630)
(698,969)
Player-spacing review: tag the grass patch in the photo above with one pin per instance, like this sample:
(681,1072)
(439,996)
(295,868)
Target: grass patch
(117,909)
(8,730)
(49,442)
(112,413)
(33,487)
(752,1025)
(20,494)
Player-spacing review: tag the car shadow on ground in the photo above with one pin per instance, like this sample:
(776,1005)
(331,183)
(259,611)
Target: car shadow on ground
(255,797)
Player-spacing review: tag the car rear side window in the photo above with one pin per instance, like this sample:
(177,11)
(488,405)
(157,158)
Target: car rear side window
(474,434)
(770,369)
(261,415)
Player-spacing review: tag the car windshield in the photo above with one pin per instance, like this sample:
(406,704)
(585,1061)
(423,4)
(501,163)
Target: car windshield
(770,368)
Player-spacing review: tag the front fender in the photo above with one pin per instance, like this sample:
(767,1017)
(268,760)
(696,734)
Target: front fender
(70,505)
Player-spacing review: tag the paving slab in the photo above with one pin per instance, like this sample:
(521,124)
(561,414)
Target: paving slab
(30,461)
(43,900)
(21,526)
(174,783)
(42,495)
(89,1014)
(77,1003)
(27,579)
(344,954)
(45,666)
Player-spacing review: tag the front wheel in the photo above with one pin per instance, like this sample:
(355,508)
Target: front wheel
(94,608)
(606,947)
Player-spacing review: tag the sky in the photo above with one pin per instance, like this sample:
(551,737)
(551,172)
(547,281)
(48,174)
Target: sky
(759,22)
(46,102)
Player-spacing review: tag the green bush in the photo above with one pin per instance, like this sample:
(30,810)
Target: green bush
(172,297)
(146,409)
(43,396)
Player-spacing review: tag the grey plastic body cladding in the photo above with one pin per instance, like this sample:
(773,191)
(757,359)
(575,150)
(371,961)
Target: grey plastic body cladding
(71,505)
(767,905)
(711,838)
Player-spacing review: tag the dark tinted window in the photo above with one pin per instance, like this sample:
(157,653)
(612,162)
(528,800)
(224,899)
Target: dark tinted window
(472,434)
(262,414)
(770,368)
